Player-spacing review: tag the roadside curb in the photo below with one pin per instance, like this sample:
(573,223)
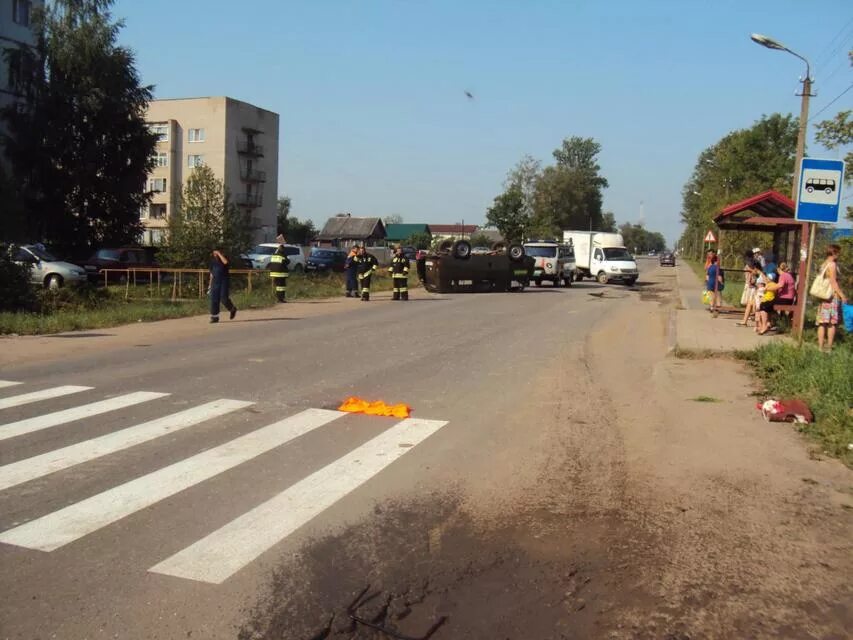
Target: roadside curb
(672,332)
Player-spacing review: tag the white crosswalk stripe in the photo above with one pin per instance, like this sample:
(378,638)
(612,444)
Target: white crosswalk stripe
(37,423)
(227,550)
(36,396)
(77,520)
(52,461)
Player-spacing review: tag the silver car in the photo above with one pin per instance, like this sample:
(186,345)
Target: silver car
(45,269)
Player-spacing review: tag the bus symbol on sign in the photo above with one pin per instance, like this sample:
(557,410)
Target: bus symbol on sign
(821,184)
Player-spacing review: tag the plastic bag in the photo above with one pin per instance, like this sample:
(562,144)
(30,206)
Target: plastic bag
(707,297)
(847,310)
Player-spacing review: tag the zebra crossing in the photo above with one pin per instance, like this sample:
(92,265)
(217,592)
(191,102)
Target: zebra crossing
(226,550)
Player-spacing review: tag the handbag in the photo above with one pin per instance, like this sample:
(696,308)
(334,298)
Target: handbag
(821,287)
(707,296)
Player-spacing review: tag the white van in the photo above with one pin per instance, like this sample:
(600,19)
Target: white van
(553,261)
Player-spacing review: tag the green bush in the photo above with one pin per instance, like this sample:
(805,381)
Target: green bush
(85,297)
(16,293)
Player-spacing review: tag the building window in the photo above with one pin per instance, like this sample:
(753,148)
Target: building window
(157,211)
(158,185)
(161,131)
(21,12)
(195,161)
(196,135)
(161,160)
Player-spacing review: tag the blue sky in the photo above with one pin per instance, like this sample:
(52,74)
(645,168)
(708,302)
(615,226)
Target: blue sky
(371,93)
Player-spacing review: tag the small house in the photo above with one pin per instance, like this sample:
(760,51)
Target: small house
(345,231)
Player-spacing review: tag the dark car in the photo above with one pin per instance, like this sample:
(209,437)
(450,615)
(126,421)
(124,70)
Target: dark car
(123,258)
(667,259)
(454,269)
(410,252)
(326,260)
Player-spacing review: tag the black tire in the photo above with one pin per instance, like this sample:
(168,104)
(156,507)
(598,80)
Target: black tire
(538,282)
(499,246)
(298,269)
(601,277)
(461,249)
(567,282)
(630,282)
(516,252)
(578,276)
(444,246)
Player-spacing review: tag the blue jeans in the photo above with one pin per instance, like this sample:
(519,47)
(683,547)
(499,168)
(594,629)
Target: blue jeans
(219,294)
(352,282)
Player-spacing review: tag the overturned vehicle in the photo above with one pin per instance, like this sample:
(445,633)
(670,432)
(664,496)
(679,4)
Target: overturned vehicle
(454,268)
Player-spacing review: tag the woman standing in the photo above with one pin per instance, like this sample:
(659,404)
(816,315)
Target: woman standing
(747,298)
(828,310)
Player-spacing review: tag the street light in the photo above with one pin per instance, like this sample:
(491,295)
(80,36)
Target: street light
(770,43)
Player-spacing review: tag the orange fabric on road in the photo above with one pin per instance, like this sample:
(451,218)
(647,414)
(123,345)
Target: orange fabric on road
(376,408)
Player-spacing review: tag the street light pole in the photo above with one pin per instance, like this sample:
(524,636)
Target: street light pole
(805,270)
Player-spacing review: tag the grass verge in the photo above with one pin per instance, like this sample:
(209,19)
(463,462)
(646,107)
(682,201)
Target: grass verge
(88,308)
(822,380)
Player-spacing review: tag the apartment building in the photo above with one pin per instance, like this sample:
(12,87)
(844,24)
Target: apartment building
(237,140)
(15,33)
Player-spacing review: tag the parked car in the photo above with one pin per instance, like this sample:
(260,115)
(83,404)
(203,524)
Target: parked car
(410,252)
(123,258)
(326,260)
(45,269)
(667,258)
(260,256)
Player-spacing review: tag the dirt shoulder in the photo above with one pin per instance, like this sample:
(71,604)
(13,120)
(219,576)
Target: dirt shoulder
(612,506)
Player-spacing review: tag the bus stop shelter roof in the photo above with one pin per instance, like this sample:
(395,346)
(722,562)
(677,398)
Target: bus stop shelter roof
(768,211)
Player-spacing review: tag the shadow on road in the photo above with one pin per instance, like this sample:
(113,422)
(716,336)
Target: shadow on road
(81,335)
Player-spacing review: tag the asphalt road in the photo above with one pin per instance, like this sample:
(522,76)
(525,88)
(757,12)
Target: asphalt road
(164,516)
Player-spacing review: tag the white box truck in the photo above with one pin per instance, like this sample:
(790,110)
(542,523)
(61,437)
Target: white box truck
(602,256)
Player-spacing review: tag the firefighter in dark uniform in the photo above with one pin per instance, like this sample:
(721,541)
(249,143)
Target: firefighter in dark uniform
(366,265)
(279,263)
(400,274)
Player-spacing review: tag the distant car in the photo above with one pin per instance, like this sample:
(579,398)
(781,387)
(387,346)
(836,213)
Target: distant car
(46,270)
(410,252)
(260,256)
(322,259)
(667,259)
(124,258)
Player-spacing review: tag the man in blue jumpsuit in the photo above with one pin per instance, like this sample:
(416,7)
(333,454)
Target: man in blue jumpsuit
(219,286)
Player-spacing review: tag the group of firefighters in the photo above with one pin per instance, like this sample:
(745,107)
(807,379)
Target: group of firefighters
(359,266)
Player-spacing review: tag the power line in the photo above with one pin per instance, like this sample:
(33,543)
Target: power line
(841,64)
(831,48)
(831,102)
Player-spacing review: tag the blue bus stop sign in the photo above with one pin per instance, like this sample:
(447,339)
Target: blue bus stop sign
(819,195)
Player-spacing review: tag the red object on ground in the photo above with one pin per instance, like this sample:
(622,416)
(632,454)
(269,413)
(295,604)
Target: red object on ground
(786,410)
(375,408)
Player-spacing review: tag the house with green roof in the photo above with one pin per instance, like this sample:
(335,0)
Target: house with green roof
(397,233)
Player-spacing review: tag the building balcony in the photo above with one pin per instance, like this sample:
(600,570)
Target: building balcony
(253,175)
(247,148)
(249,200)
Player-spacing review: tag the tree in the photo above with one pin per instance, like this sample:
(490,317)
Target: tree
(608,222)
(394,218)
(480,239)
(282,211)
(741,164)
(81,152)
(205,219)
(569,194)
(507,214)
(419,240)
(637,238)
(299,232)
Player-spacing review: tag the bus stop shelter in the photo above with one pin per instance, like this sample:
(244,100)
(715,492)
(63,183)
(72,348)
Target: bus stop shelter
(772,212)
